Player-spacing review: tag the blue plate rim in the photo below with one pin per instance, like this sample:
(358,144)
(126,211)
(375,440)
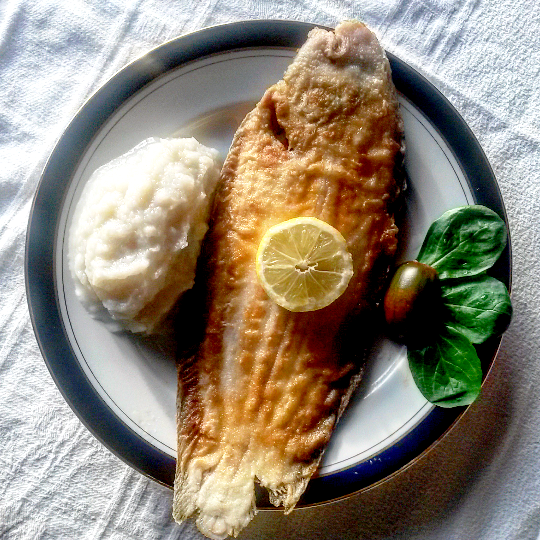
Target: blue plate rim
(41,286)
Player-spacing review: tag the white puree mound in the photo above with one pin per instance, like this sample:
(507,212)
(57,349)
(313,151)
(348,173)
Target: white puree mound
(138,227)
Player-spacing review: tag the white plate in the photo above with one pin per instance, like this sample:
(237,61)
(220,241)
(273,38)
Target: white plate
(202,85)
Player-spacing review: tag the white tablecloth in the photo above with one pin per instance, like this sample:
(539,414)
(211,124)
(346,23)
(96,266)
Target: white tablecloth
(482,481)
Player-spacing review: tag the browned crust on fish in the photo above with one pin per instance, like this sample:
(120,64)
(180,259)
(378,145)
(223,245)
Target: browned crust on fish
(261,396)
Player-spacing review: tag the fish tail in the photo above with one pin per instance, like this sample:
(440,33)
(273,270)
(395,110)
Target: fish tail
(218,487)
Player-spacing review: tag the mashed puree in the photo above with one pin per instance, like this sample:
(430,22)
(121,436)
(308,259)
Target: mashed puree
(138,227)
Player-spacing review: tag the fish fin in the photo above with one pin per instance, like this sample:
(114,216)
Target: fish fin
(219,488)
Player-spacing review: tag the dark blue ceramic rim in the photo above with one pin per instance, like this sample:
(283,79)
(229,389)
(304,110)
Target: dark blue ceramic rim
(42,233)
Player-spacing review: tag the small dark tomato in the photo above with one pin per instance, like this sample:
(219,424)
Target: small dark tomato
(412,303)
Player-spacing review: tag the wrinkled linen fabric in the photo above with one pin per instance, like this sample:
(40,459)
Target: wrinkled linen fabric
(482,481)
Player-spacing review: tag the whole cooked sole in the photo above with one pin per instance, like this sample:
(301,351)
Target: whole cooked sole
(259,399)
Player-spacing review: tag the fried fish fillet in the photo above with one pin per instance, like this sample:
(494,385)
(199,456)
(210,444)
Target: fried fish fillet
(259,399)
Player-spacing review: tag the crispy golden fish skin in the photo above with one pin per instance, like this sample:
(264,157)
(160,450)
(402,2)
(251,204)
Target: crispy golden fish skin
(261,396)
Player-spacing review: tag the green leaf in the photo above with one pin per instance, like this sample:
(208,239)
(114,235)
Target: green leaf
(477,308)
(464,242)
(448,371)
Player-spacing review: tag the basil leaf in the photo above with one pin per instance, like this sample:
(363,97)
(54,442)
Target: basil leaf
(464,242)
(448,371)
(477,308)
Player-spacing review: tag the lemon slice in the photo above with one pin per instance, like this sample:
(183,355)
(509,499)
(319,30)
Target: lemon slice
(303,264)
